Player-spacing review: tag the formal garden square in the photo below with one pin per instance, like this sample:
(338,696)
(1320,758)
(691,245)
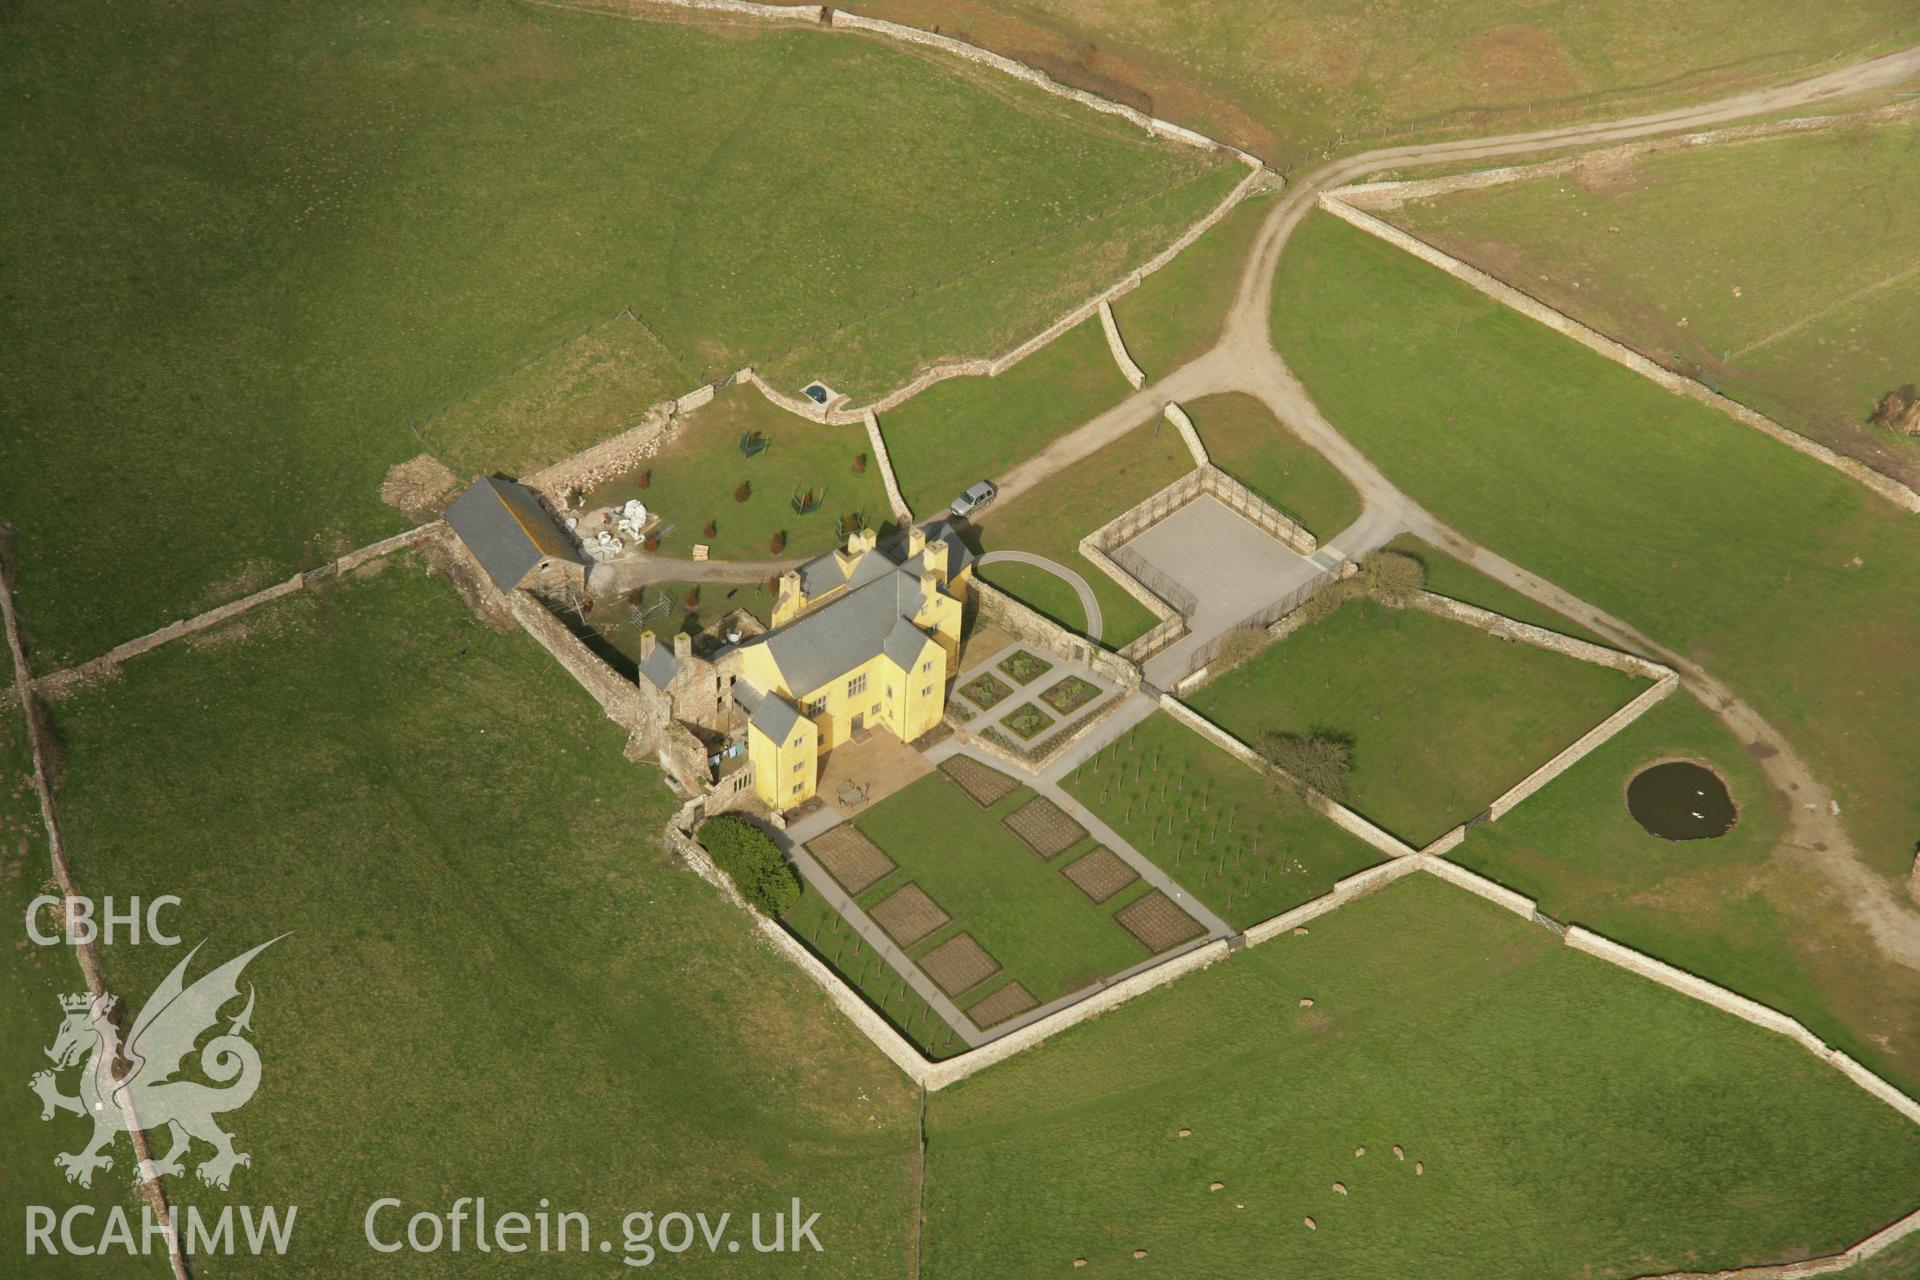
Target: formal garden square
(1158,922)
(958,964)
(1008,1002)
(1047,828)
(854,861)
(1068,695)
(908,915)
(1026,722)
(1100,873)
(986,690)
(1025,666)
(987,785)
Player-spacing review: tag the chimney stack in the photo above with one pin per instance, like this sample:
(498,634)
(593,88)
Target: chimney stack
(682,646)
(916,541)
(646,645)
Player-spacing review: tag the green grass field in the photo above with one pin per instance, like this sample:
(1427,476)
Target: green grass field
(967,429)
(1177,313)
(1291,82)
(1236,843)
(1244,440)
(262,243)
(1441,1024)
(497,980)
(1777,574)
(1732,908)
(699,466)
(1051,518)
(1779,271)
(1442,717)
(1042,930)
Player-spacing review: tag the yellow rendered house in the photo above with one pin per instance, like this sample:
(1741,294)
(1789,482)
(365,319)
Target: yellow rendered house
(862,638)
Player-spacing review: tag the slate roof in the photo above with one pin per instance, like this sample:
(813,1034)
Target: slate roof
(660,665)
(770,713)
(508,531)
(841,634)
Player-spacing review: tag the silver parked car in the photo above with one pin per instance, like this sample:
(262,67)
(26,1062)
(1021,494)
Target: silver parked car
(976,497)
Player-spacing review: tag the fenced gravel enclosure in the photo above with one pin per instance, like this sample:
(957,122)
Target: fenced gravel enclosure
(1158,922)
(959,964)
(986,787)
(855,862)
(1100,874)
(1045,827)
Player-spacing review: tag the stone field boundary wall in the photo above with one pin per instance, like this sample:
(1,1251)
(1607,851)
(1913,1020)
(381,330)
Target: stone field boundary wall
(54,684)
(1527,305)
(1184,425)
(994,367)
(1135,376)
(1498,625)
(86,954)
(618,696)
(884,460)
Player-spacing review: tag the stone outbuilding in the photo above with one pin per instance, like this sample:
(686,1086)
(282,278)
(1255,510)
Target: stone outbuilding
(513,537)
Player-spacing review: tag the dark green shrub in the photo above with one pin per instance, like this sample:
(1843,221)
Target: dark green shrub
(753,860)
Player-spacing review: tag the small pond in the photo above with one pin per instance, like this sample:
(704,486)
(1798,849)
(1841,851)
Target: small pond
(1681,800)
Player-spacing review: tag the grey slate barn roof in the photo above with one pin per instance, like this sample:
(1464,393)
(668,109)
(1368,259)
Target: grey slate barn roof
(508,531)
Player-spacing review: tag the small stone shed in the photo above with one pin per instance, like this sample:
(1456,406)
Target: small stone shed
(512,535)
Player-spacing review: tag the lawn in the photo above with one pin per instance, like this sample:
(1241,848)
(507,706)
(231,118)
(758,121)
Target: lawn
(1040,928)
(967,429)
(497,982)
(814,921)
(260,243)
(1731,908)
(1780,576)
(1779,271)
(1442,717)
(1569,1119)
(1247,442)
(1293,82)
(695,477)
(1448,576)
(1178,312)
(1168,790)
(1051,518)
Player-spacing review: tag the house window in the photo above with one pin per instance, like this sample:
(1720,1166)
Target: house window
(857,685)
(926,666)
(817,708)
(876,709)
(798,787)
(927,692)
(798,765)
(797,740)
(889,691)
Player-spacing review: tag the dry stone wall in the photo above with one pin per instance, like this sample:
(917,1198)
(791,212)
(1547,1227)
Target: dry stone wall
(1527,305)
(884,461)
(1184,425)
(1135,376)
(618,696)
